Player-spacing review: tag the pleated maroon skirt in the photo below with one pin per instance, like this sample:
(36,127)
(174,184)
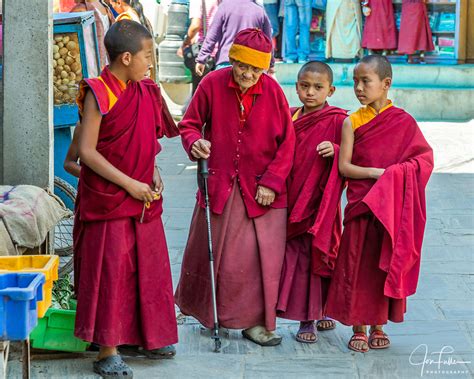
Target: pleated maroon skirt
(356,295)
(302,294)
(123,284)
(248,257)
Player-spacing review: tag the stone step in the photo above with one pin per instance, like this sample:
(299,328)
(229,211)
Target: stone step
(428,103)
(419,76)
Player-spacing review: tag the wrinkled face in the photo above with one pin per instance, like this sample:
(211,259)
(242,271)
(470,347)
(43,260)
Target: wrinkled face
(139,64)
(245,75)
(313,88)
(368,87)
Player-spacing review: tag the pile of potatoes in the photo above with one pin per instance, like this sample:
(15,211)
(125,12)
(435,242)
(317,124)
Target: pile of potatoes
(67,68)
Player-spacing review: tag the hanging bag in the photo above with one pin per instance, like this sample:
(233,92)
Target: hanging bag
(191,52)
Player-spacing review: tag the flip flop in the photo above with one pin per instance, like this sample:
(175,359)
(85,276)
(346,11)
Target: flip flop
(113,367)
(261,336)
(377,334)
(322,329)
(166,352)
(306,328)
(358,336)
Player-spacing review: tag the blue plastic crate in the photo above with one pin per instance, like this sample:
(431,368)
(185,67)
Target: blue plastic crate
(19,293)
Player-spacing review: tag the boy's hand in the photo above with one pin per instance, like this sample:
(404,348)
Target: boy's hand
(326,149)
(139,191)
(201,149)
(157,182)
(265,196)
(377,173)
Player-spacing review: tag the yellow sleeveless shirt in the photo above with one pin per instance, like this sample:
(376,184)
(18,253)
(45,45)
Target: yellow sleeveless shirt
(365,115)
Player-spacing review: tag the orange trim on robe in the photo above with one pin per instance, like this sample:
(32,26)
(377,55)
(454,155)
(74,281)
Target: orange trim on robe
(105,103)
(128,15)
(123,16)
(365,114)
(297,114)
(112,96)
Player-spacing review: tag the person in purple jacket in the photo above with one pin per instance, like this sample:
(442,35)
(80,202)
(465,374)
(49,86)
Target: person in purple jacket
(231,17)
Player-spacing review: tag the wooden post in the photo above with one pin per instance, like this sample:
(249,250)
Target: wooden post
(4,350)
(25,358)
(470,32)
(462,13)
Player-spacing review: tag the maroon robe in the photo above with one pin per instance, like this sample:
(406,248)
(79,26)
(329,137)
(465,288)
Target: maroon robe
(314,224)
(251,145)
(124,289)
(380,32)
(379,258)
(415,32)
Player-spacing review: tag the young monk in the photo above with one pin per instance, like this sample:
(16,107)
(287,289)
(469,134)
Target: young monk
(124,291)
(314,224)
(387,162)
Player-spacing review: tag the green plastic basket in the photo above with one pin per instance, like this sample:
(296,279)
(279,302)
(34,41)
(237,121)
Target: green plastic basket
(55,331)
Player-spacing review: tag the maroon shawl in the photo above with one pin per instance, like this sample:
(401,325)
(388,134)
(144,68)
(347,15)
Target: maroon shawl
(314,186)
(128,140)
(393,141)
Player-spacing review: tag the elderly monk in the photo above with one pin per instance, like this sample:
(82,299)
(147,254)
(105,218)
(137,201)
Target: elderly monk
(249,141)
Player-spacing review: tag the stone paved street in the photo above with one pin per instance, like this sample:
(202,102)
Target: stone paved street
(439,315)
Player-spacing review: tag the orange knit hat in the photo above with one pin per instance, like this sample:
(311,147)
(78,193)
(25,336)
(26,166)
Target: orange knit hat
(253,47)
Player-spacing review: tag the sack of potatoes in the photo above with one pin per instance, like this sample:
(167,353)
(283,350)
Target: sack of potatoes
(67,68)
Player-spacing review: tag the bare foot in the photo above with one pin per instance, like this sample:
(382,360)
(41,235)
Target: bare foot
(326,324)
(106,351)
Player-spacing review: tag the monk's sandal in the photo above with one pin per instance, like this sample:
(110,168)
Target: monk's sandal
(166,352)
(262,337)
(113,367)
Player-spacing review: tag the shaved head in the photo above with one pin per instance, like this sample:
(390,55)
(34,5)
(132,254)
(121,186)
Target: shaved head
(319,67)
(381,65)
(125,36)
